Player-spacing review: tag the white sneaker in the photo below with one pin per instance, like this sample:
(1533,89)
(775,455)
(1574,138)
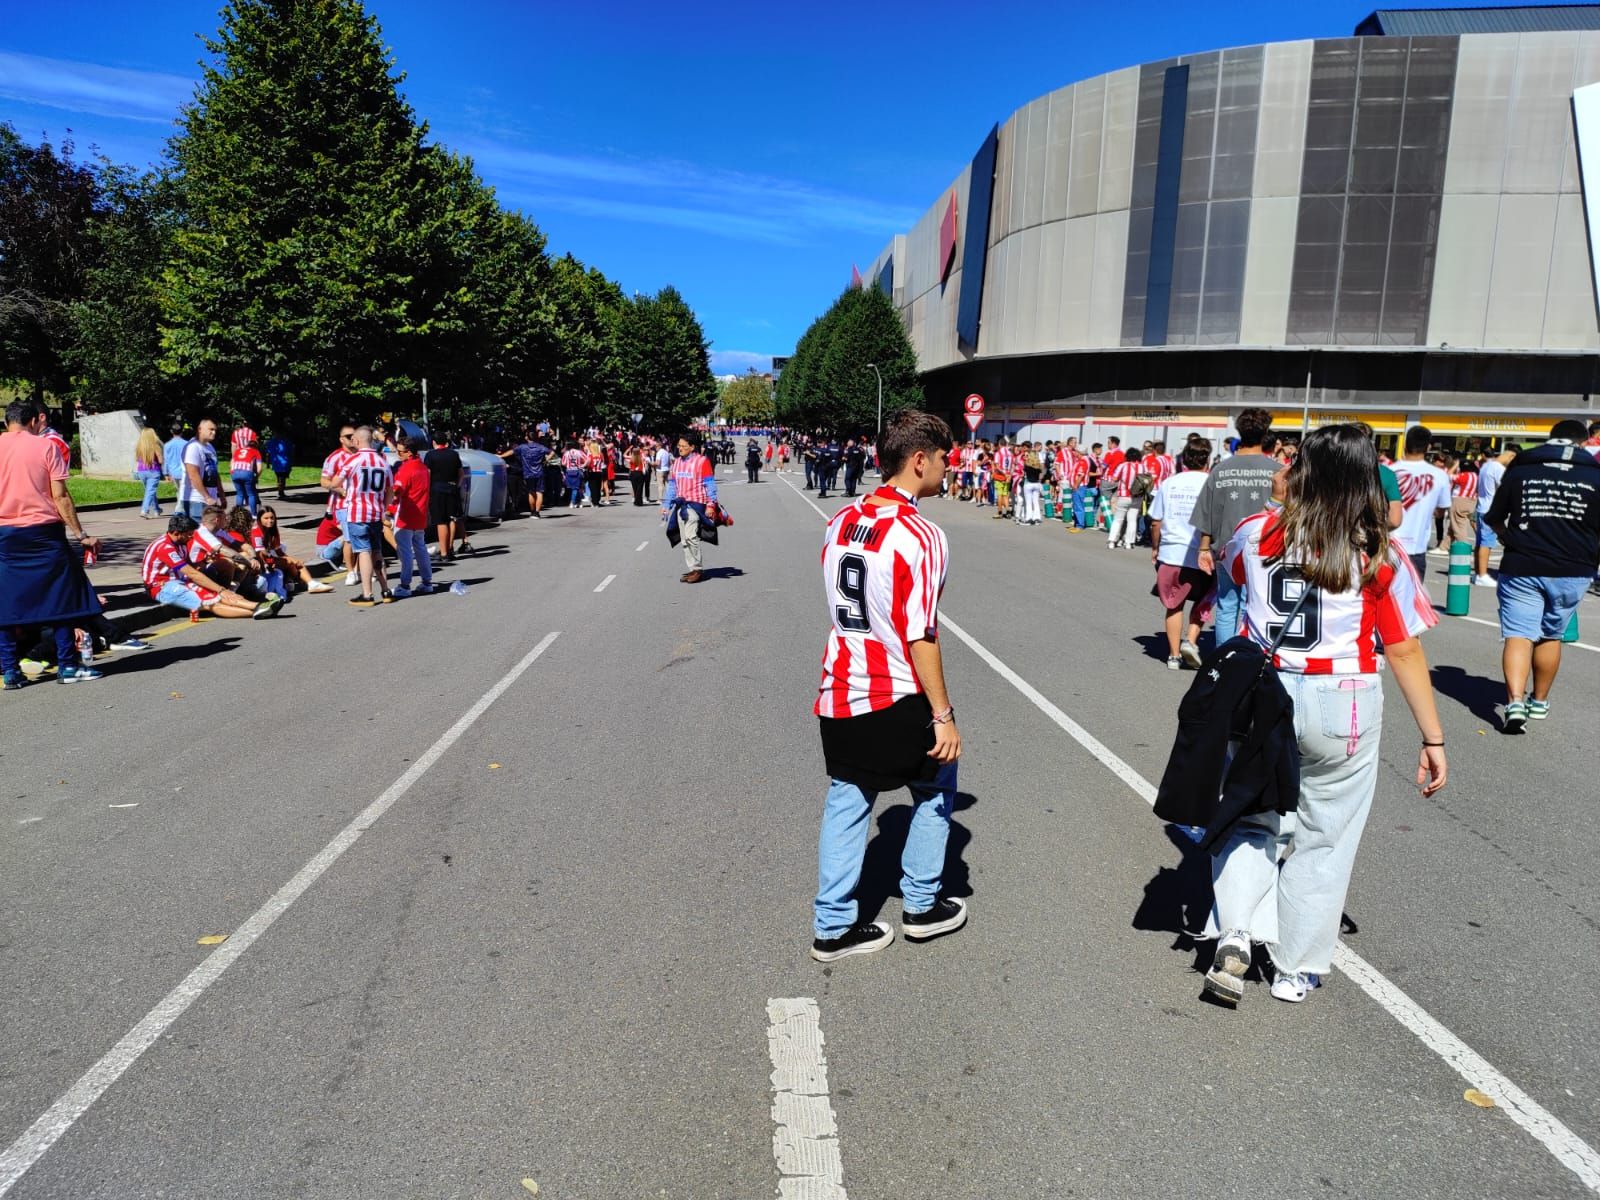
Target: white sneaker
(1296,987)
(1482,581)
(1190,654)
(351,579)
(316,585)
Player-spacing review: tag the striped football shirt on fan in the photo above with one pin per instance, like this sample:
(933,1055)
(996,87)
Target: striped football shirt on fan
(1123,475)
(163,560)
(1333,634)
(366,487)
(332,467)
(1465,486)
(689,475)
(883,569)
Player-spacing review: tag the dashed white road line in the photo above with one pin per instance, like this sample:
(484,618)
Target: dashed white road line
(65,1112)
(805,1135)
(605,583)
(640,546)
(1568,1148)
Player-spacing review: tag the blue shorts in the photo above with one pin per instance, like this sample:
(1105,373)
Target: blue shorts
(1538,607)
(1486,536)
(182,595)
(363,535)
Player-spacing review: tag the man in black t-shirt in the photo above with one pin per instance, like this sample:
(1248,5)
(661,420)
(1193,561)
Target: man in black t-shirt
(446,477)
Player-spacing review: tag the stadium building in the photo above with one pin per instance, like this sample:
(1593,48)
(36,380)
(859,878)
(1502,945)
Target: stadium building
(1392,227)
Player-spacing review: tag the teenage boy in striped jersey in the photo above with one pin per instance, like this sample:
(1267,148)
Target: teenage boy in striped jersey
(886,719)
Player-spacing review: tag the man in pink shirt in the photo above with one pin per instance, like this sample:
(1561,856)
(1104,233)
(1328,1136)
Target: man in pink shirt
(44,581)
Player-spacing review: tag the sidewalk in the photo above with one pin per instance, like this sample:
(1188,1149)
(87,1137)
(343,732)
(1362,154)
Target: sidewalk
(124,534)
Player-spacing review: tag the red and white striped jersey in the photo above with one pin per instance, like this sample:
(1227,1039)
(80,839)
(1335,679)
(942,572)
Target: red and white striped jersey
(1078,472)
(883,569)
(1334,634)
(1464,485)
(163,560)
(332,467)
(59,442)
(1123,475)
(689,475)
(204,546)
(242,437)
(574,460)
(1002,463)
(366,487)
(244,460)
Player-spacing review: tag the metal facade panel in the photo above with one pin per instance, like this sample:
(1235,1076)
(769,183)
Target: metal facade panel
(1116,148)
(1109,276)
(1077,282)
(1569,310)
(1281,126)
(1088,129)
(1269,267)
(1480,121)
(980,195)
(1058,154)
(1460,300)
(1164,214)
(1524,239)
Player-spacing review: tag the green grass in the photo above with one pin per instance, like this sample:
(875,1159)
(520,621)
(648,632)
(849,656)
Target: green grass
(114,491)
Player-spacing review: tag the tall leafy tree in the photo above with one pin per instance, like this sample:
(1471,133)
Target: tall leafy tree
(115,344)
(313,270)
(746,400)
(49,203)
(828,383)
(665,368)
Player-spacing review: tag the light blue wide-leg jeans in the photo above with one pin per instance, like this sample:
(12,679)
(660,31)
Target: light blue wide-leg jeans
(846,816)
(1294,906)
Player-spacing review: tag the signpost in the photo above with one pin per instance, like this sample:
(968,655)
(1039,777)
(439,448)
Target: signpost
(972,409)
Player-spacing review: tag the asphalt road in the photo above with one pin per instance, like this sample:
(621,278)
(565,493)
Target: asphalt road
(550,957)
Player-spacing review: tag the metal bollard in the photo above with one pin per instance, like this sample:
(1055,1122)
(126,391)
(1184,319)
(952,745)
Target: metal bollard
(1458,595)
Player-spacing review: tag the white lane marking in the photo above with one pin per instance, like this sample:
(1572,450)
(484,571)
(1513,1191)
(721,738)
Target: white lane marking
(1567,1147)
(1496,625)
(1575,1154)
(805,1135)
(65,1112)
(640,547)
(605,583)
(29,820)
(807,499)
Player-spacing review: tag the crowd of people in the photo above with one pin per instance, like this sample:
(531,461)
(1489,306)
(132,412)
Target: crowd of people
(1308,557)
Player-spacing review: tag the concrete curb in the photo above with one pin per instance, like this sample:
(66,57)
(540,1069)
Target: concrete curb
(112,505)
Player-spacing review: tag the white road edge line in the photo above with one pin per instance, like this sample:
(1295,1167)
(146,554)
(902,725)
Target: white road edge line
(1568,1148)
(805,1134)
(65,1112)
(605,583)
(640,547)
(1496,625)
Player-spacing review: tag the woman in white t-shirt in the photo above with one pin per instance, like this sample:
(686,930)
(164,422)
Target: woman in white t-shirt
(1281,881)
(1175,550)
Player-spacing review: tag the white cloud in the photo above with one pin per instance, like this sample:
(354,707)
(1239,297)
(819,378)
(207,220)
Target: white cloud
(708,199)
(149,96)
(737,362)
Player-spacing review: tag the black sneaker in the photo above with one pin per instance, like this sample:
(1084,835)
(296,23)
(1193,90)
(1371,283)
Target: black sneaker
(858,939)
(947,915)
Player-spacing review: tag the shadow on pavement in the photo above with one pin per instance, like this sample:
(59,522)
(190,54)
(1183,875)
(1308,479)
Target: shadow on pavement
(159,656)
(1178,900)
(1478,694)
(707,574)
(880,870)
(1154,646)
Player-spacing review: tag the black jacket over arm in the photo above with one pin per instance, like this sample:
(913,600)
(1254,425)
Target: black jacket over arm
(1235,695)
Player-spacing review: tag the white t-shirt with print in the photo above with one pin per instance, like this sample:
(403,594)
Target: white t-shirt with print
(1424,489)
(1173,505)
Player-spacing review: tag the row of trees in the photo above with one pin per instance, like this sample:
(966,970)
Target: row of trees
(829,383)
(306,254)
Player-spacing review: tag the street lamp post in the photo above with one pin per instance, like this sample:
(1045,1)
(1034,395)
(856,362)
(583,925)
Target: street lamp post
(873,367)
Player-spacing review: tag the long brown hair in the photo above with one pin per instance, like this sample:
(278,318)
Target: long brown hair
(1335,520)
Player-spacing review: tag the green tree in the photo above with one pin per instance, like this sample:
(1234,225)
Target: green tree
(828,383)
(586,373)
(49,203)
(665,367)
(313,272)
(747,400)
(115,346)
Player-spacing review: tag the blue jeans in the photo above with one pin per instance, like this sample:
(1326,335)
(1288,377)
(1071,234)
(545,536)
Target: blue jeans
(1229,597)
(413,547)
(66,638)
(1081,501)
(151,480)
(574,482)
(193,508)
(245,486)
(1293,904)
(846,815)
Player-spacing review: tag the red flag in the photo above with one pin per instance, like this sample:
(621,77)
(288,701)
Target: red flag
(855,276)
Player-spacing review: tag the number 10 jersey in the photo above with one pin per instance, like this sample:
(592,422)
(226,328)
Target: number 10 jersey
(883,569)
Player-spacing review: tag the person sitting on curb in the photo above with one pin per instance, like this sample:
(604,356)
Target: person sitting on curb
(173,580)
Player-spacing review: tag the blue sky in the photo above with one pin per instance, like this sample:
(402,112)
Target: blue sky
(746,154)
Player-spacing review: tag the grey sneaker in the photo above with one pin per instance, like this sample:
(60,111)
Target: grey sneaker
(1225,979)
